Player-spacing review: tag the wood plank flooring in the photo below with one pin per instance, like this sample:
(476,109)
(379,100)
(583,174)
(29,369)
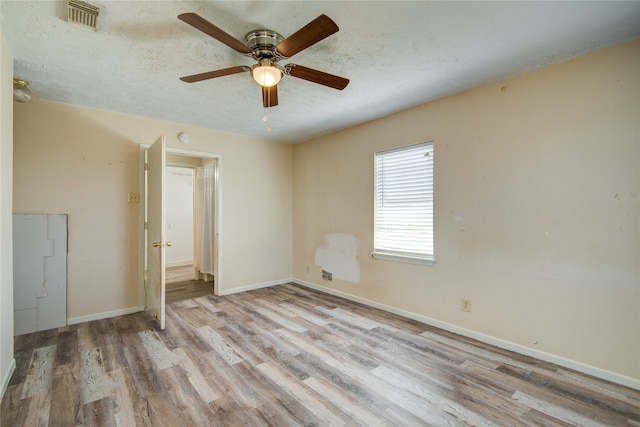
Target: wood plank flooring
(291,356)
(181,291)
(181,273)
(180,285)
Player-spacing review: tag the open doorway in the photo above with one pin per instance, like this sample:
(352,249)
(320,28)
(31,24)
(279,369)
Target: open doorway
(189,270)
(152,232)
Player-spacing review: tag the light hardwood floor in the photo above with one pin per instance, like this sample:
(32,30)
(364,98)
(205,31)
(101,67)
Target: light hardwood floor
(290,356)
(181,273)
(181,286)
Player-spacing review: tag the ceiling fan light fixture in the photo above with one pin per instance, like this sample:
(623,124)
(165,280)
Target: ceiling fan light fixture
(266,73)
(21,92)
(267,47)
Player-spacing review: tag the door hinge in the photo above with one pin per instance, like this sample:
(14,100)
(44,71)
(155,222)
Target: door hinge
(146,225)
(146,166)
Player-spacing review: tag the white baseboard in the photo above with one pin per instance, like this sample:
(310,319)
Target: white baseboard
(103,315)
(7,377)
(488,339)
(255,286)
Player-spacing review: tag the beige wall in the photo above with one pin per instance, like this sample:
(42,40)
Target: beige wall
(537,192)
(6,215)
(82,162)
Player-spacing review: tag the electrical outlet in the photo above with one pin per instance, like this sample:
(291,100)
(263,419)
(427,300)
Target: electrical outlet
(465,304)
(308,268)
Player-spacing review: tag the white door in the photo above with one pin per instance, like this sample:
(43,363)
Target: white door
(156,235)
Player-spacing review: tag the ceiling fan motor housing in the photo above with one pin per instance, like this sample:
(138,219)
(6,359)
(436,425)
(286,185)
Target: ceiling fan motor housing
(263,43)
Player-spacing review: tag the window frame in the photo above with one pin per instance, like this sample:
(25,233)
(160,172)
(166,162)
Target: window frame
(414,257)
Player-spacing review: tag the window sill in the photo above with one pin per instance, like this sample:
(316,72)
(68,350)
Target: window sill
(403,258)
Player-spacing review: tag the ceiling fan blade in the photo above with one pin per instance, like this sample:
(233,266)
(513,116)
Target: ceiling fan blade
(310,34)
(213,74)
(316,76)
(269,96)
(207,27)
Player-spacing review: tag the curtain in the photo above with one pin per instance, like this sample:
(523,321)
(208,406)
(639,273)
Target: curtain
(204,233)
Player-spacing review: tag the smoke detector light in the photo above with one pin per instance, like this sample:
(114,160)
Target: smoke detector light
(184,138)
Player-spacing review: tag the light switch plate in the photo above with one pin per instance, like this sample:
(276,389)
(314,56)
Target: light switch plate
(133,197)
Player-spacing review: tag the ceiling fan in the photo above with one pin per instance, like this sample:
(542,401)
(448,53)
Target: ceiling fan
(267,48)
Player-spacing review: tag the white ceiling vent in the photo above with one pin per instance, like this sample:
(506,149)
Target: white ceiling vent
(83,13)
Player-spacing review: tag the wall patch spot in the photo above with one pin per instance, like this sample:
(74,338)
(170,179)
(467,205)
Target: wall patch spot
(339,255)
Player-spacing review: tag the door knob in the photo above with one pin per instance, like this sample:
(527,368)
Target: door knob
(159,244)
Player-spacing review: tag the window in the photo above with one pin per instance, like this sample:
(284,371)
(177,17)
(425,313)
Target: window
(403,217)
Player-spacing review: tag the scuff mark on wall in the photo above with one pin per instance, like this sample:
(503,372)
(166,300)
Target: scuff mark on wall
(339,255)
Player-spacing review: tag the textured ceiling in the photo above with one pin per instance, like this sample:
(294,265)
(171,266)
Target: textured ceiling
(397,54)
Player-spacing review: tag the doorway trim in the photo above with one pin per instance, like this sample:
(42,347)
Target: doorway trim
(217,225)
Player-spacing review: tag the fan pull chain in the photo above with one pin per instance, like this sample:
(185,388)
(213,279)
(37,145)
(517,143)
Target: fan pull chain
(265,120)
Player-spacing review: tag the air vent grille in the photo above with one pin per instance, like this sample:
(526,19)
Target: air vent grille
(83,13)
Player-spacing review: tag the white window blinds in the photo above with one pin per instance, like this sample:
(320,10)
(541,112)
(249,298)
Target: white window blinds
(404,204)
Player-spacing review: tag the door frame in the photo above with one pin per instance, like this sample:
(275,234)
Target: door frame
(217,262)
